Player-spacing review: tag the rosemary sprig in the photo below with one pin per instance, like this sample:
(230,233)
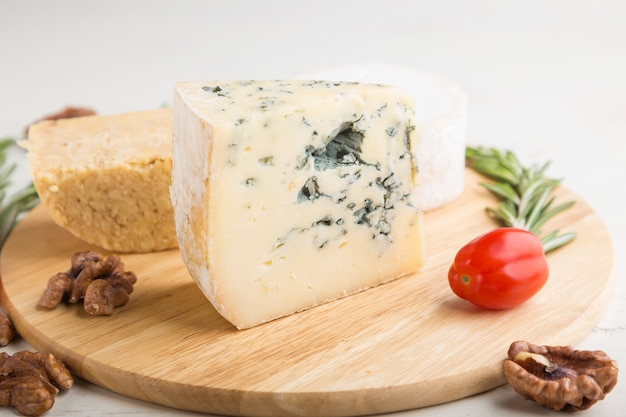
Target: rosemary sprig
(18,203)
(524,193)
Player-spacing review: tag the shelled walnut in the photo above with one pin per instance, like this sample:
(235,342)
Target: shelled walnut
(559,377)
(65,113)
(30,381)
(100,282)
(7,331)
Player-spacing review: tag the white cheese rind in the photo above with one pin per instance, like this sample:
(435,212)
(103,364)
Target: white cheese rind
(289,194)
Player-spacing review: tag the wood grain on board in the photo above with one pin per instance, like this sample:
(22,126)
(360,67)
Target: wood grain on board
(406,344)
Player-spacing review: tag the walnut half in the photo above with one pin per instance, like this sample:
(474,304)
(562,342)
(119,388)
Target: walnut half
(7,331)
(100,282)
(65,113)
(30,381)
(559,377)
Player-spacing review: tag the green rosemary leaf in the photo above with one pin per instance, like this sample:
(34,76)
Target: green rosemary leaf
(547,213)
(542,170)
(524,193)
(535,217)
(492,163)
(554,240)
(8,219)
(4,143)
(20,202)
(505,214)
(501,189)
(498,216)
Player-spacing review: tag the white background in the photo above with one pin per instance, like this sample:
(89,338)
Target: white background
(544,78)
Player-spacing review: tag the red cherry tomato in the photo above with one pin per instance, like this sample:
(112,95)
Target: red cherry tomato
(500,269)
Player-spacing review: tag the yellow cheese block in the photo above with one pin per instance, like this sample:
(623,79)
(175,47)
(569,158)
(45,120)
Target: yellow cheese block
(290,194)
(106,178)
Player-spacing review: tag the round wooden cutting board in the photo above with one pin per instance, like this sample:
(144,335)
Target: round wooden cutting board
(406,344)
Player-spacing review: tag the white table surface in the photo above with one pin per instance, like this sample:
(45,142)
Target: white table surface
(546,79)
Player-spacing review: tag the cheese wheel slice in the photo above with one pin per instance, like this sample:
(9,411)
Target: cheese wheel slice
(106,178)
(290,194)
(441,117)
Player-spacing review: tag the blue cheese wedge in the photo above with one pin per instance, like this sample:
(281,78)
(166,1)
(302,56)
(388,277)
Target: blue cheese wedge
(290,194)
